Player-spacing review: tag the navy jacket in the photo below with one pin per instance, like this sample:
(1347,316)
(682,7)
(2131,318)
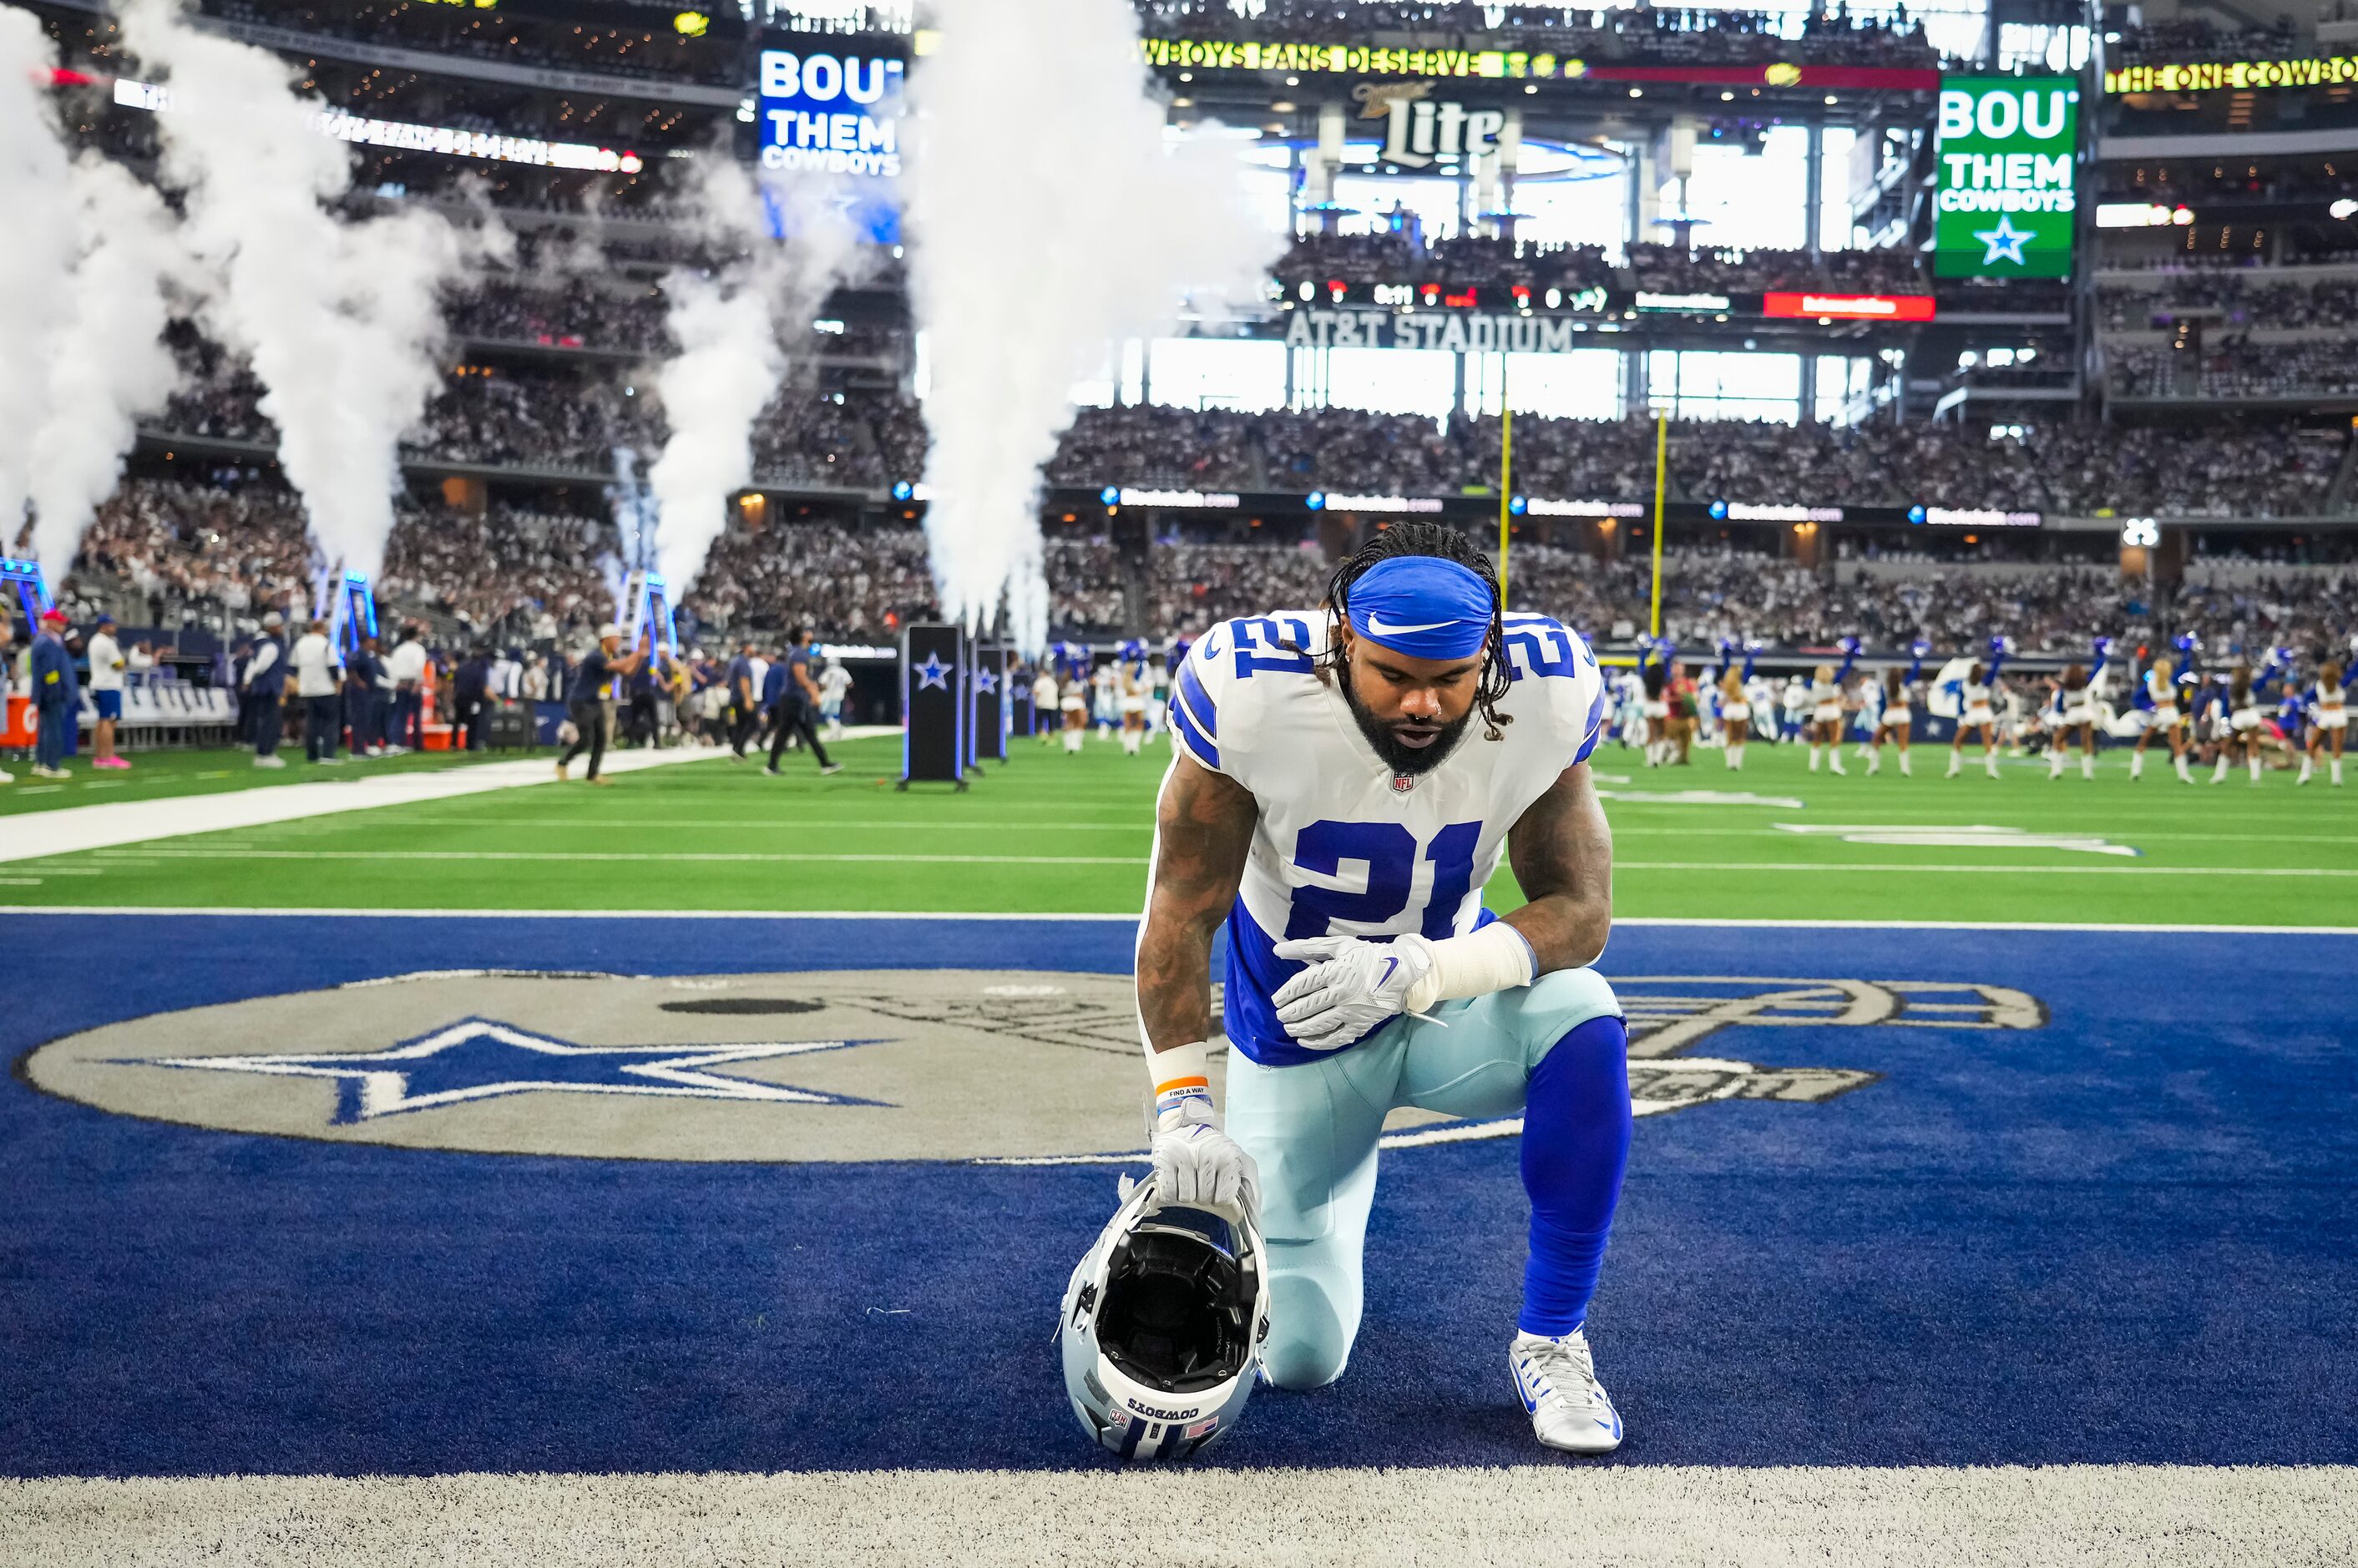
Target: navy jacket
(55,684)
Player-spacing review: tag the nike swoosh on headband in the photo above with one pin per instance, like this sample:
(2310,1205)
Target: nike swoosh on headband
(1376,627)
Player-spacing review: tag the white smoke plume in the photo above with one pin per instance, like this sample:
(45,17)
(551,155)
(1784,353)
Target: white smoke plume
(37,257)
(1030,259)
(112,367)
(731,361)
(340,321)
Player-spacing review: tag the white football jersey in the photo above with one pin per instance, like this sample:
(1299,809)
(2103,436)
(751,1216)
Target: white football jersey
(1343,847)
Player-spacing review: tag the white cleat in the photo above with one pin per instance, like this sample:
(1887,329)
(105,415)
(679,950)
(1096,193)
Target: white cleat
(1557,1379)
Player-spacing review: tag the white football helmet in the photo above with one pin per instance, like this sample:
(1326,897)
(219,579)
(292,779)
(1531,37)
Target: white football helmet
(1162,1327)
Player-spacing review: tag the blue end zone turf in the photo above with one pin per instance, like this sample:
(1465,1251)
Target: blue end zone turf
(2124,1235)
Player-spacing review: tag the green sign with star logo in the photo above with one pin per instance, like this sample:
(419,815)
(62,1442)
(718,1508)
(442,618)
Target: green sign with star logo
(2008,156)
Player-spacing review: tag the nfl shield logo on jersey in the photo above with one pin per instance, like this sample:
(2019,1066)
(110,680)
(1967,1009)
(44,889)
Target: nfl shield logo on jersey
(1403,782)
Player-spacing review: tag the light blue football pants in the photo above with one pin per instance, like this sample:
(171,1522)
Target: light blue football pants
(1312,1129)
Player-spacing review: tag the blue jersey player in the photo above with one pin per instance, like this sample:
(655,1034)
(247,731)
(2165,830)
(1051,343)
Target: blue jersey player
(1345,780)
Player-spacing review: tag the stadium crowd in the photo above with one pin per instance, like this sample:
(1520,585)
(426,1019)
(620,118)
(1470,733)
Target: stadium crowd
(1500,264)
(554,421)
(2188,38)
(2231,368)
(1666,33)
(655,52)
(220,554)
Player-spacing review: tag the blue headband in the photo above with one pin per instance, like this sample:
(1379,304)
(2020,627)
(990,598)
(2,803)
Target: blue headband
(1422,607)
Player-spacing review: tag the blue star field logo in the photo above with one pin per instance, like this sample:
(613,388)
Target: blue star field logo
(985,681)
(933,673)
(2005,243)
(477,1059)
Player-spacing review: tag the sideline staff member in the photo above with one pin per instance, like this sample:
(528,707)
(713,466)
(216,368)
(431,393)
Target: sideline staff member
(592,699)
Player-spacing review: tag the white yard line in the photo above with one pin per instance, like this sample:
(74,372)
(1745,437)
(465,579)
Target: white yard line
(757,857)
(1129,918)
(35,835)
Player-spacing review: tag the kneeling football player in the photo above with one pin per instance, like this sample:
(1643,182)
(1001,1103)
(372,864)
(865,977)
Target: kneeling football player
(1345,781)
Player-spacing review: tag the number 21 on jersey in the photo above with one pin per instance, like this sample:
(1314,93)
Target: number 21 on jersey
(1391,853)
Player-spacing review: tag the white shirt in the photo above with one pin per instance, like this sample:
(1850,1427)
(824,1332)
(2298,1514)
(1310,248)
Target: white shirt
(407,662)
(833,682)
(105,663)
(313,660)
(1043,692)
(1340,848)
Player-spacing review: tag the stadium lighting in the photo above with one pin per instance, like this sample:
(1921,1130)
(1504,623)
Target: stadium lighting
(2343,209)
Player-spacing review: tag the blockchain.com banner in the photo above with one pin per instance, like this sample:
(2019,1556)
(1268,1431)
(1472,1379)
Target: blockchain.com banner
(2007,170)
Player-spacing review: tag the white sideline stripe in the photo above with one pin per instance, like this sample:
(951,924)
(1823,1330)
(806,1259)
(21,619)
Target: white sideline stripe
(282,912)
(2091,1516)
(37,834)
(233,853)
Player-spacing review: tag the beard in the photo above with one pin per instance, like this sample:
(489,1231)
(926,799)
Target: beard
(1404,758)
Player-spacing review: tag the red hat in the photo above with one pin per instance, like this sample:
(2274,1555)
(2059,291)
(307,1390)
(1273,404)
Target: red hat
(53,615)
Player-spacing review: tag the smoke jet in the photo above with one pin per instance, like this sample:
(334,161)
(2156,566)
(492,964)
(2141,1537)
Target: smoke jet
(112,367)
(34,264)
(730,362)
(340,321)
(1028,263)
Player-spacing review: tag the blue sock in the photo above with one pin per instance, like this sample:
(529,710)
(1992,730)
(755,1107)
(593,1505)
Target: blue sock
(1575,1144)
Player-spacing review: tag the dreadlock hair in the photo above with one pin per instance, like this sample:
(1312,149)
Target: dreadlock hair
(1447,544)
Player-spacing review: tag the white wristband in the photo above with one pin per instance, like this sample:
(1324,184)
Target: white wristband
(1180,1074)
(1495,958)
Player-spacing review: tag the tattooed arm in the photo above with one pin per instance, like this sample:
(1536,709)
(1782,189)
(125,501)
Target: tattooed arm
(1562,853)
(1204,826)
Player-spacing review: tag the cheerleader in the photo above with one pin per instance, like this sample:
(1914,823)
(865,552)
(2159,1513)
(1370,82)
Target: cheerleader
(2331,719)
(1654,714)
(2241,737)
(2072,721)
(1736,721)
(1892,724)
(1680,694)
(1975,712)
(1075,706)
(1825,719)
(1130,699)
(2162,714)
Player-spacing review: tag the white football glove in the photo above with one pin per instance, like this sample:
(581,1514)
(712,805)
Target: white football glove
(1351,986)
(1198,1165)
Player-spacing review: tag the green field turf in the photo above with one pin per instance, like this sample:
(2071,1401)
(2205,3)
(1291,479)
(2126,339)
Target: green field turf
(1047,833)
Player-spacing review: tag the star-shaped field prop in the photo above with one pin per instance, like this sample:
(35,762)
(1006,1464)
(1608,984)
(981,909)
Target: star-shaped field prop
(479,1059)
(985,681)
(932,673)
(2003,243)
